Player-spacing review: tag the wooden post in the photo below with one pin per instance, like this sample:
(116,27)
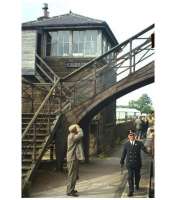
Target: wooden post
(34,143)
(134,61)
(32,103)
(60,106)
(130,56)
(74,94)
(94,79)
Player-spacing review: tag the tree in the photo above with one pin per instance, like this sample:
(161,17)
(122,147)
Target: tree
(143,104)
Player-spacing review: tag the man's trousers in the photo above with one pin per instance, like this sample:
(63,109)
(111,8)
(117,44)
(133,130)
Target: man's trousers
(133,177)
(73,167)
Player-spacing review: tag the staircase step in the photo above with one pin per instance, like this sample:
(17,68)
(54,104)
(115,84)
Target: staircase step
(44,119)
(27,156)
(26,161)
(29,153)
(37,123)
(31,141)
(27,115)
(31,147)
(37,128)
(25,168)
(24,175)
(37,134)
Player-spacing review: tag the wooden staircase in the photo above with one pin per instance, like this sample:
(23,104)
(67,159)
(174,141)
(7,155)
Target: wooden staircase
(41,120)
(35,143)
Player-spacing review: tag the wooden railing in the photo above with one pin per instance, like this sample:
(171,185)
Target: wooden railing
(41,107)
(46,70)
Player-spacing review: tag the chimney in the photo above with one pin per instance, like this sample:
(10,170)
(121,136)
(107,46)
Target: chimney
(45,13)
(45,8)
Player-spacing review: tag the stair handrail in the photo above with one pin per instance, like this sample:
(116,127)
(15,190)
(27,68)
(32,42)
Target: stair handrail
(118,46)
(40,108)
(47,66)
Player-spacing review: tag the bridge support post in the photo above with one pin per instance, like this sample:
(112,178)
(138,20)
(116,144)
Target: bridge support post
(59,149)
(85,126)
(60,139)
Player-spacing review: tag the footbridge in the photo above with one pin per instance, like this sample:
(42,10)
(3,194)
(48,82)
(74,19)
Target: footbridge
(140,78)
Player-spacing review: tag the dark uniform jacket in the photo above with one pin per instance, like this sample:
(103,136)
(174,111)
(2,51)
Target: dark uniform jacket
(132,153)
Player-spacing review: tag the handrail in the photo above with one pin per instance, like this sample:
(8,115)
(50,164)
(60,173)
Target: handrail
(26,81)
(106,53)
(46,65)
(40,107)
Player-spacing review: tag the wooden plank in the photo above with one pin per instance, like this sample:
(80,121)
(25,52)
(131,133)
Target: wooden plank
(28,71)
(29,39)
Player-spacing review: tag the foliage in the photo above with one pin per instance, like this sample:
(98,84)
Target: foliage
(143,104)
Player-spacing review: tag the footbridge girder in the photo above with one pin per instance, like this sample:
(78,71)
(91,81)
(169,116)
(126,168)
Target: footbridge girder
(138,79)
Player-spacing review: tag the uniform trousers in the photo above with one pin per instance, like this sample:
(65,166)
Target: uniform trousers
(73,168)
(133,177)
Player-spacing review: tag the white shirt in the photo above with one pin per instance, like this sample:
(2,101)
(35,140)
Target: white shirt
(132,142)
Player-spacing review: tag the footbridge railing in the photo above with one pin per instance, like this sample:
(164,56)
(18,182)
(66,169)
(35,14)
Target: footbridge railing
(109,68)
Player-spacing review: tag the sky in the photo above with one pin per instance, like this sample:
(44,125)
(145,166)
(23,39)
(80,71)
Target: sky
(124,19)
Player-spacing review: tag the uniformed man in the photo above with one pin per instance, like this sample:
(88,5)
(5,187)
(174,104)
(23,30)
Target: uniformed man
(132,153)
(74,154)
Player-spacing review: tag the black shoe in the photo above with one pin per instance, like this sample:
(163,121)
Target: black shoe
(75,191)
(73,194)
(130,194)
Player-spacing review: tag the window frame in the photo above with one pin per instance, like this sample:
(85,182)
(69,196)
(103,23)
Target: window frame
(97,44)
